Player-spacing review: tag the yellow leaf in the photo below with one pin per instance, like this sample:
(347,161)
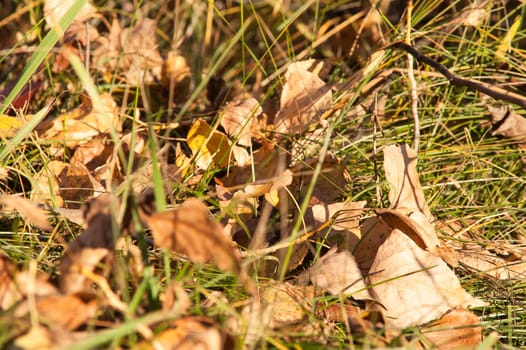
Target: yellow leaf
(505,45)
(9,125)
(208,145)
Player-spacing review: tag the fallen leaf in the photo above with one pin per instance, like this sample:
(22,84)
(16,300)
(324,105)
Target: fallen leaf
(31,213)
(480,260)
(373,232)
(54,10)
(397,220)
(288,304)
(458,328)
(132,52)
(64,184)
(62,311)
(505,44)
(83,123)
(9,125)
(9,292)
(304,99)
(338,273)
(38,337)
(330,183)
(405,190)
(91,247)
(208,145)
(414,285)
(237,118)
(190,333)
(190,230)
(508,123)
(176,74)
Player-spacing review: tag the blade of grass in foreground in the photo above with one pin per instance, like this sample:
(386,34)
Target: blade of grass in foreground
(42,50)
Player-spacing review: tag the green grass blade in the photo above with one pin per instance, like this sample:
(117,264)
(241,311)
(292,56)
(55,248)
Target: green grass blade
(47,44)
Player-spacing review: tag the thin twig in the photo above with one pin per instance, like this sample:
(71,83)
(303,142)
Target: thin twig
(486,89)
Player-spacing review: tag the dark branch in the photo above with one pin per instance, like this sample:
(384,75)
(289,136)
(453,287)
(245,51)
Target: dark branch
(492,91)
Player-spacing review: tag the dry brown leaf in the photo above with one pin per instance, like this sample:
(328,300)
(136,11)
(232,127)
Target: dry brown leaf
(411,213)
(83,123)
(31,213)
(54,10)
(396,219)
(176,74)
(131,51)
(330,183)
(190,230)
(190,333)
(405,190)
(338,273)
(373,232)
(237,118)
(305,97)
(482,261)
(175,298)
(9,293)
(413,285)
(288,304)
(508,123)
(458,328)
(38,337)
(62,311)
(64,184)
(92,246)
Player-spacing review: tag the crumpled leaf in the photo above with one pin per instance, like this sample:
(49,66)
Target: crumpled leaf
(208,145)
(288,303)
(190,230)
(190,333)
(64,184)
(400,172)
(238,118)
(304,99)
(54,10)
(176,74)
(92,246)
(83,123)
(65,311)
(132,52)
(330,183)
(338,273)
(508,123)
(413,285)
(14,284)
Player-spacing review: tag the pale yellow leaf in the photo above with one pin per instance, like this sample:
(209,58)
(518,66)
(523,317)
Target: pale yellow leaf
(9,125)
(208,145)
(505,44)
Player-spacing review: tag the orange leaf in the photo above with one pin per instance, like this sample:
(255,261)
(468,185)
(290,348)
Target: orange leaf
(190,230)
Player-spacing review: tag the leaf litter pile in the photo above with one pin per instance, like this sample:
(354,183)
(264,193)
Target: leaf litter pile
(157,198)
